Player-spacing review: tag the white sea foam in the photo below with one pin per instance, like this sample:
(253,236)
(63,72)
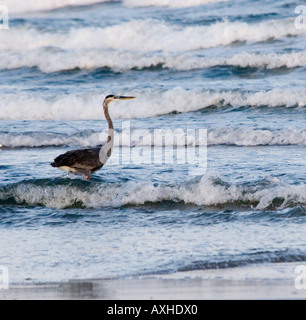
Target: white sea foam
(144,138)
(252,137)
(206,191)
(167,3)
(143,36)
(49,62)
(244,59)
(41,139)
(21,6)
(149,103)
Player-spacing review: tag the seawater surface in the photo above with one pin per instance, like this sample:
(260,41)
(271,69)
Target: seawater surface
(235,68)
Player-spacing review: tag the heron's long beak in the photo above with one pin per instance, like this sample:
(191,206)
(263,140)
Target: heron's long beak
(124,98)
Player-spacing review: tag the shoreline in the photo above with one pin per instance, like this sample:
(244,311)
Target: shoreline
(267,281)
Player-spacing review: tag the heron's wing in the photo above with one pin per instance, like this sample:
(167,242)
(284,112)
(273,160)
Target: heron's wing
(85,159)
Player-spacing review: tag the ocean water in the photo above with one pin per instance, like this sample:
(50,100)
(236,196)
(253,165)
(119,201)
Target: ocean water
(235,68)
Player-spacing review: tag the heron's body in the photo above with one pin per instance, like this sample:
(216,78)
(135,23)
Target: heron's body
(85,162)
(82,162)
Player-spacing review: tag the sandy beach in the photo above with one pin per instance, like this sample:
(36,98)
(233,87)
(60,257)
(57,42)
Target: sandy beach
(270,281)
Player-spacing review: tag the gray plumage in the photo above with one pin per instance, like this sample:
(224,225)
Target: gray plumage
(84,162)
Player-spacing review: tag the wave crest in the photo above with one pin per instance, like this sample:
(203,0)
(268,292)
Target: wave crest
(205,191)
(149,103)
(146,36)
(48,62)
(144,138)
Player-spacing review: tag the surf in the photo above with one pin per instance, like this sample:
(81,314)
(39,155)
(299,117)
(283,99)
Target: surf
(208,190)
(147,36)
(150,103)
(246,137)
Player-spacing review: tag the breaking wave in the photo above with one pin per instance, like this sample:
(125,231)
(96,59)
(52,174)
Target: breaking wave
(48,62)
(141,36)
(144,138)
(202,191)
(149,103)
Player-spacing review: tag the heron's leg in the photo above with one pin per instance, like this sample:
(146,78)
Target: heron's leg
(85,173)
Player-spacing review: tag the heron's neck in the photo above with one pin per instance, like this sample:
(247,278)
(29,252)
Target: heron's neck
(110,139)
(107,117)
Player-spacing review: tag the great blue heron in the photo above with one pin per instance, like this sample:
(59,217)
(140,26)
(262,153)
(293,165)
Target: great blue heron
(85,162)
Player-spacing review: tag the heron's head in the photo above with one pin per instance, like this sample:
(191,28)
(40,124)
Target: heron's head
(112,98)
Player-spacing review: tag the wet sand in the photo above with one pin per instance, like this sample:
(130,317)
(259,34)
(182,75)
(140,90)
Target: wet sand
(271,281)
